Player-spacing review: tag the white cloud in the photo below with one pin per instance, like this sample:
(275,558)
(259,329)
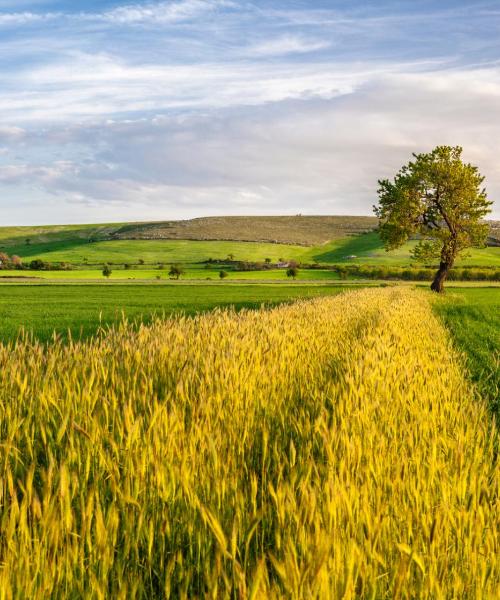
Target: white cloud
(162,12)
(86,86)
(10,133)
(223,107)
(317,155)
(287,44)
(25,18)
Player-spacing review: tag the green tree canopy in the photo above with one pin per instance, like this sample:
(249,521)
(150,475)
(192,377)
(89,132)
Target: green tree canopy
(440,199)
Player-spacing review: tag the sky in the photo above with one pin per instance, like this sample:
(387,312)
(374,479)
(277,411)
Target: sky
(154,110)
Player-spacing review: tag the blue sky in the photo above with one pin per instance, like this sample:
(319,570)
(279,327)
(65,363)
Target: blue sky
(113,111)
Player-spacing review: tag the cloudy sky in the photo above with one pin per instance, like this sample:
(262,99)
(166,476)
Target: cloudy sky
(171,109)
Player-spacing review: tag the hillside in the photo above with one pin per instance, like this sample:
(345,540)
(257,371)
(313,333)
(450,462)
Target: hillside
(296,230)
(289,230)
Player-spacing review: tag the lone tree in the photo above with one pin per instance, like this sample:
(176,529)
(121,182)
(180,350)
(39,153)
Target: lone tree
(292,272)
(223,274)
(175,272)
(106,271)
(440,198)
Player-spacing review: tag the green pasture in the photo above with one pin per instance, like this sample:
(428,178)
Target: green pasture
(192,272)
(473,317)
(364,249)
(45,308)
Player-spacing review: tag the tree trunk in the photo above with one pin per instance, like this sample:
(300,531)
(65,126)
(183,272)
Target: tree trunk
(439,279)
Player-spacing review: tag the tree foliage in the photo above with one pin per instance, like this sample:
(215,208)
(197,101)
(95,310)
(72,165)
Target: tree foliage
(175,271)
(440,199)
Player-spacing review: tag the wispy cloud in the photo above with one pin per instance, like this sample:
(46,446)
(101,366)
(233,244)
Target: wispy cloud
(287,44)
(26,18)
(187,107)
(162,12)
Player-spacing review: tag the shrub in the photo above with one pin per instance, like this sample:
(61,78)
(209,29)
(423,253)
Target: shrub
(175,271)
(38,265)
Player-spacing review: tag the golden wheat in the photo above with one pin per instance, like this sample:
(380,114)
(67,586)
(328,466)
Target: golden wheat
(326,449)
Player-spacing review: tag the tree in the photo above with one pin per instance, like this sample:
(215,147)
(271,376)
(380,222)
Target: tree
(175,271)
(37,265)
(223,274)
(439,198)
(106,271)
(268,261)
(292,272)
(230,256)
(16,261)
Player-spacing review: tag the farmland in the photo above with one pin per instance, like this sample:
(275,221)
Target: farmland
(239,454)
(82,309)
(473,316)
(222,438)
(326,240)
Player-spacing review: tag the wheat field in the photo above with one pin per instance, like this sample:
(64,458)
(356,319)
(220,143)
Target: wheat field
(329,448)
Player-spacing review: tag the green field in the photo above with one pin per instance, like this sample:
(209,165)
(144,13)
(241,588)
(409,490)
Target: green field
(193,272)
(152,251)
(95,245)
(471,313)
(43,309)
(473,317)
(368,249)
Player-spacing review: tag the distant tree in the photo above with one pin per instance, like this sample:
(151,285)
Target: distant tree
(106,271)
(37,265)
(292,272)
(141,261)
(16,261)
(268,261)
(230,256)
(223,274)
(126,266)
(175,271)
(440,198)
(28,241)
(281,260)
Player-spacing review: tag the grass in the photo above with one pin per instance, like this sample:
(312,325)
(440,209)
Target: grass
(326,449)
(72,245)
(369,250)
(43,309)
(151,251)
(301,230)
(473,317)
(193,272)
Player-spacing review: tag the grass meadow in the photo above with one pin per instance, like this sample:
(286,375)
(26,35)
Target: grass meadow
(42,310)
(473,317)
(329,448)
(366,247)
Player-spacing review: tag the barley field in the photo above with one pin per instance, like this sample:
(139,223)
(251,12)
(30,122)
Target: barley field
(330,448)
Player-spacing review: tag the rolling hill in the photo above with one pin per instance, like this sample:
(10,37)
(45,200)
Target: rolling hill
(323,239)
